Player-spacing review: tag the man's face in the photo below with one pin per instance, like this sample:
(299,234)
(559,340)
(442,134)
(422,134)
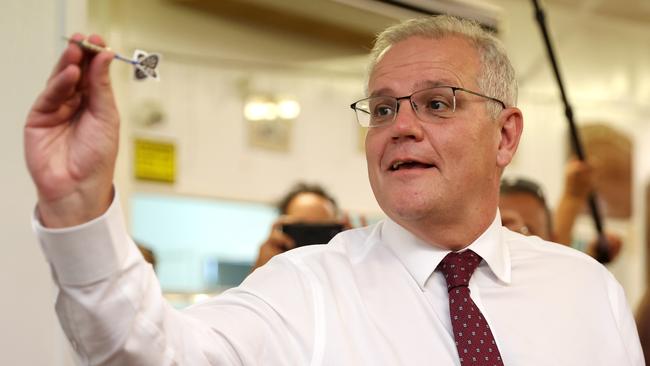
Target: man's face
(455,170)
(525,213)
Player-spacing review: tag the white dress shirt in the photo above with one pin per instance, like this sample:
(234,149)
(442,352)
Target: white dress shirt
(370,297)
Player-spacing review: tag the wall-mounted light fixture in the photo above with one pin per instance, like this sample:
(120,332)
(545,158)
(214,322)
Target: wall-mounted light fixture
(288,108)
(259,108)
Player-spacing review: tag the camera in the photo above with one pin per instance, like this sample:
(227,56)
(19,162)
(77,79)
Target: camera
(304,233)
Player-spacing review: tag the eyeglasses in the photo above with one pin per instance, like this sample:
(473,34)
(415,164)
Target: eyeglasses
(429,105)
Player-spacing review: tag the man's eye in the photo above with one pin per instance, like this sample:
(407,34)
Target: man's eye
(438,105)
(383,111)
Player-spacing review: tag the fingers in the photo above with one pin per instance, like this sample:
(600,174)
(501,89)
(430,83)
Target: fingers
(99,82)
(578,179)
(281,240)
(275,244)
(75,54)
(69,76)
(96,39)
(345,221)
(615,243)
(60,90)
(98,65)
(95,84)
(363,221)
(72,55)
(277,238)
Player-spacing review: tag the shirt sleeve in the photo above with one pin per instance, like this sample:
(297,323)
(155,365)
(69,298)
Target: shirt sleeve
(111,307)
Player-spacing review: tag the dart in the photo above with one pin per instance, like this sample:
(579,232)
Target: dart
(144,63)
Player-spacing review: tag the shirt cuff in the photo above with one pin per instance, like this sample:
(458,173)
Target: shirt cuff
(86,253)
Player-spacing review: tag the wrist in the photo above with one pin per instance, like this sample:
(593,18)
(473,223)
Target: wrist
(74,209)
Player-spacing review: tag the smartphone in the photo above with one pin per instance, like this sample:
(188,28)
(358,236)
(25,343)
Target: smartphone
(304,233)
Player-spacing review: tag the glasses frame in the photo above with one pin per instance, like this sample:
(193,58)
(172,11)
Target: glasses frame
(398,99)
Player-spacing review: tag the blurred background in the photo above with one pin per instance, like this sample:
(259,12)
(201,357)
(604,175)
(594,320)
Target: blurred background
(254,96)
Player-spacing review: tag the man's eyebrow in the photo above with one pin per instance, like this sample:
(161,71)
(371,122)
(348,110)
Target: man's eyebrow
(383,91)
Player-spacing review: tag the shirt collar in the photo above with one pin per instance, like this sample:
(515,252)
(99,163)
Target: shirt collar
(421,258)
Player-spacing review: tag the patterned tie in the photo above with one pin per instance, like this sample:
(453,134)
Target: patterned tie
(474,340)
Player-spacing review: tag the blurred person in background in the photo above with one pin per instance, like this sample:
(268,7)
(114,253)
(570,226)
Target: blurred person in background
(148,254)
(524,209)
(308,203)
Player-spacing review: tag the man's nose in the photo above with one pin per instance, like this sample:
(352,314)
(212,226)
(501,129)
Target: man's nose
(407,124)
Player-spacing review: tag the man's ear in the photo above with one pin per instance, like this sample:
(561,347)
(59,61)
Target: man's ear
(511,124)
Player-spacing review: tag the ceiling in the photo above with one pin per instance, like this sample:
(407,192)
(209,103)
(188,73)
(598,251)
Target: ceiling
(347,23)
(325,20)
(635,10)
(353,24)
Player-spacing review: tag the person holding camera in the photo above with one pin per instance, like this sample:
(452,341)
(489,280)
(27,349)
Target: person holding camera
(524,209)
(304,203)
(308,215)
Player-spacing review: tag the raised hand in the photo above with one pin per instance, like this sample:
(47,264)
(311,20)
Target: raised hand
(577,186)
(614,246)
(277,242)
(578,182)
(71,138)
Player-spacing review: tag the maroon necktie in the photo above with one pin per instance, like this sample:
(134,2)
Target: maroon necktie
(474,340)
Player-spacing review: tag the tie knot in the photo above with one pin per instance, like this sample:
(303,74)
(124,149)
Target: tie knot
(459,267)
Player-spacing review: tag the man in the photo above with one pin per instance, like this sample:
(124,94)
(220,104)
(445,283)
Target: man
(443,126)
(305,203)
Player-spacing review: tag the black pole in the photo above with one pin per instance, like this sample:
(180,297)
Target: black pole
(602,249)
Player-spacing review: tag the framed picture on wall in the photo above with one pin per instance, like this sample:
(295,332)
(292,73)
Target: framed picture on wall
(274,135)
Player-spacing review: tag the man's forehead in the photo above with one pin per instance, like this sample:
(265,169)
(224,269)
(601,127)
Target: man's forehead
(449,46)
(425,62)
(522,200)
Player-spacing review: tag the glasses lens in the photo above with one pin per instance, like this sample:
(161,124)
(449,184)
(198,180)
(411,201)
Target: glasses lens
(431,104)
(362,112)
(381,110)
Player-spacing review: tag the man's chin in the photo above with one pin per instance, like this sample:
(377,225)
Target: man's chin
(406,210)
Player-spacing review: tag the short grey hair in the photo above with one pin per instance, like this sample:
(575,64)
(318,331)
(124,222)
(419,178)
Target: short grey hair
(496,77)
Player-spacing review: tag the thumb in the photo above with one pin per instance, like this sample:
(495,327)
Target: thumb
(99,81)
(99,92)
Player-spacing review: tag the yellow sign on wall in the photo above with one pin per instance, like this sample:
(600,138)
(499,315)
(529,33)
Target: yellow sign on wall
(155,160)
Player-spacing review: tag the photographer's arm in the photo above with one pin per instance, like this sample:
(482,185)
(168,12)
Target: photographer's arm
(277,242)
(577,186)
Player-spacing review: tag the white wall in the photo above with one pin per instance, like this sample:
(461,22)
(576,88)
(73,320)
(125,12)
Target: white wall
(30,32)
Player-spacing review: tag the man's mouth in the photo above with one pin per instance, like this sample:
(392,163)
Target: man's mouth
(408,164)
